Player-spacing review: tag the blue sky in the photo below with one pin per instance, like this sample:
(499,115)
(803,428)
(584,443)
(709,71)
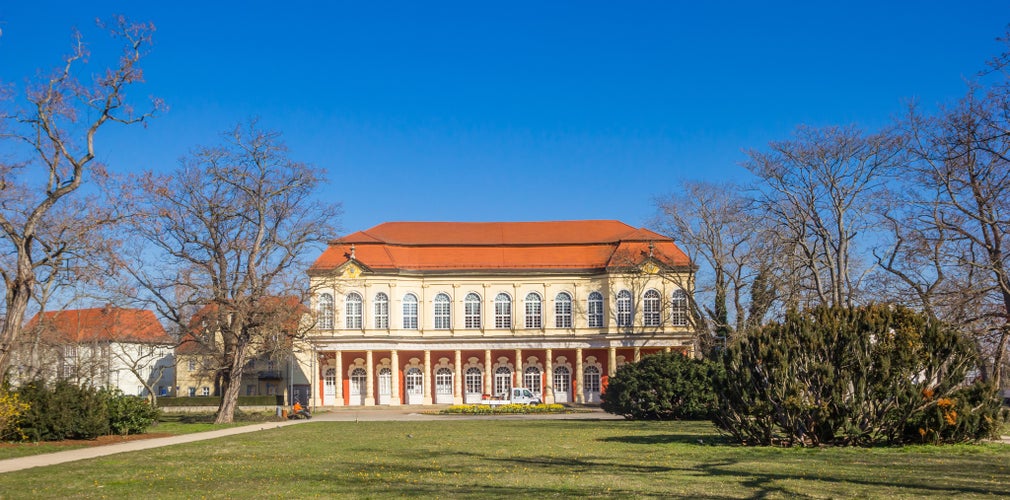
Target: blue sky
(480,111)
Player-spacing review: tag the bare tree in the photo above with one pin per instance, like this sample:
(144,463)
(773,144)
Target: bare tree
(55,134)
(223,236)
(959,190)
(821,188)
(716,224)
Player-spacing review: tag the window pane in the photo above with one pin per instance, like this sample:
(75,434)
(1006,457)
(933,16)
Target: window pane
(596,310)
(533,311)
(503,311)
(563,311)
(410,312)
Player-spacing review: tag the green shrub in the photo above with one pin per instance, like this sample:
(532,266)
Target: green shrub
(129,414)
(11,411)
(506,409)
(861,376)
(663,386)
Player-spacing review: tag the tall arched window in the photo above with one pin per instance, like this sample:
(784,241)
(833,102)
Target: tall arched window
(650,308)
(443,311)
(474,380)
(534,310)
(532,379)
(381,311)
(595,310)
(503,311)
(413,381)
(471,310)
(624,314)
(678,308)
(326,311)
(353,310)
(563,310)
(502,381)
(410,312)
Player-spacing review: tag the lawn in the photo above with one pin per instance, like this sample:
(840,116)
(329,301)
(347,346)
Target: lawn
(517,458)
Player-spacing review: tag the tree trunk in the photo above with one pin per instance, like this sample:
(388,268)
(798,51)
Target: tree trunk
(231,384)
(18,293)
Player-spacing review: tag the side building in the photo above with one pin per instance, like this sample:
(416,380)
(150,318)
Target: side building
(126,349)
(426,313)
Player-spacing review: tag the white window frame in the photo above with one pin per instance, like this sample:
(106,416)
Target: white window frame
(471,311)
(595,310)
(563,310)
(352,310)
(625,312)
(651,315)
(534,317)
(503,311)
(678,308)
(410,312)
(326,311)
(381,311)
(442,306)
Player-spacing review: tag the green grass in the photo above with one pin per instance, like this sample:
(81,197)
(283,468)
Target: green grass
(525,459)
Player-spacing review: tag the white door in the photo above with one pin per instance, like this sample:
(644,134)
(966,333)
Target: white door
(474,381)
(414,386)
(531,379)
(330,387)
(385,385)
(443,386)
(591,384)
(562,384)
(359,378)
(502,381)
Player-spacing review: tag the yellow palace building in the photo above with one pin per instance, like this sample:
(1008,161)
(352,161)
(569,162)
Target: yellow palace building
(424,313)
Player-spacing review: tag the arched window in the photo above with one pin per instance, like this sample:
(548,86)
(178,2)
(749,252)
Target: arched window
(563,310)
(534,310)
(562,382)
(678,308)
(326,311)
(503,311)
(595,310)
(591,379)
(502,381)
(410,312)
(624,314)
(471,310)
(381,311)
(443,381)
(650,308)
(353,310)
(474,379)
(359,378)
(414,381)
(532,379)
(443,312)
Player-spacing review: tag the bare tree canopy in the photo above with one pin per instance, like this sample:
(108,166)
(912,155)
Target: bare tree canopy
(225,235)
(820,187)
(52,152)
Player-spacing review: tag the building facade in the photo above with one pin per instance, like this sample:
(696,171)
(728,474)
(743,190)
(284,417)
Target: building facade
(451,313)
(116,348)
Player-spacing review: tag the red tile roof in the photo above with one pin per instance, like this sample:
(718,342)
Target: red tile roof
(442,246)
(102,324)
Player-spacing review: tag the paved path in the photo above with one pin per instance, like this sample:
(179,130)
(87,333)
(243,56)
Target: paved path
(337,415)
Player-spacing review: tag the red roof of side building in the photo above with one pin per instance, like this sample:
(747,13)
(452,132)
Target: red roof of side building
(111,324)
(443,246)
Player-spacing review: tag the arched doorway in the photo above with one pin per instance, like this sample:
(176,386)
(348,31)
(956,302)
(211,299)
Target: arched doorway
(562,384)
(414,385)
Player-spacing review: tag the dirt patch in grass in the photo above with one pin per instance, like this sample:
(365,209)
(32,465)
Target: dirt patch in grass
(100,441)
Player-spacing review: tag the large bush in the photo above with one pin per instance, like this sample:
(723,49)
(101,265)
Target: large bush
(67,411)
(661,386)
(862,376)
(11,411)
(130,414)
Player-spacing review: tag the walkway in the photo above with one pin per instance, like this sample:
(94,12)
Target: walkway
(335,415)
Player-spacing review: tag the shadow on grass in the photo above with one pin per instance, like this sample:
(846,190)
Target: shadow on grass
(653,439)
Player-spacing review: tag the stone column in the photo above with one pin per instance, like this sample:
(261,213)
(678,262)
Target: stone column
(549,369)
(369,382)
(339,389)
(611,361)
(457,379)
(429,378)
(316,387)
(638,354)
(580,397)
(394,359)
(666,349)
(519,380)
(488,376)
